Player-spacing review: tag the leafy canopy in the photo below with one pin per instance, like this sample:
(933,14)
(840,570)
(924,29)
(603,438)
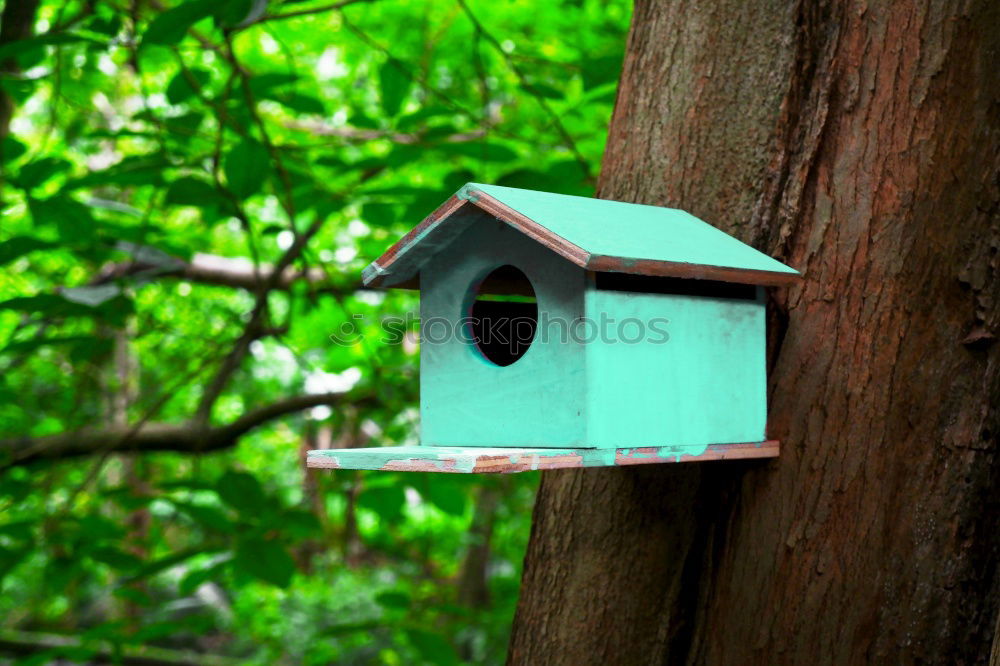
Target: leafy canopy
(189,191)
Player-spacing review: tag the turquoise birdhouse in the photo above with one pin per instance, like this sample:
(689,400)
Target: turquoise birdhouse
(561,331)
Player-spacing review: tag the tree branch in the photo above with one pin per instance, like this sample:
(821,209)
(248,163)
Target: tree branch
(526,84)
(311,10)
(362,135)
(184,437)
(212,269)
(31,642)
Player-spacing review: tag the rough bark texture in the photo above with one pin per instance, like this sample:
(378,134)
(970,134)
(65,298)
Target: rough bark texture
(16,23)
(860,144)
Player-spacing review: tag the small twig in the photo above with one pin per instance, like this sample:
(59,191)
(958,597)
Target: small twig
(288,202)
(560,128)
(311,10)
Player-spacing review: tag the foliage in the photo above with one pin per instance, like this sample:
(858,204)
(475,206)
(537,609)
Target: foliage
(295,140)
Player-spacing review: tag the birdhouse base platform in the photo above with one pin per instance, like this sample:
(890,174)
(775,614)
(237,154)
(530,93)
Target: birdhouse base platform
(479,460)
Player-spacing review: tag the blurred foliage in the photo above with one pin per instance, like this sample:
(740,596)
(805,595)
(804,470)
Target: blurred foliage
(153,137)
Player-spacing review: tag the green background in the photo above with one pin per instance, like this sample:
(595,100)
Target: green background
(146,134)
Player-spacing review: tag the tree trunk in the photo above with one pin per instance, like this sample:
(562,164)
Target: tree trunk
(859,144)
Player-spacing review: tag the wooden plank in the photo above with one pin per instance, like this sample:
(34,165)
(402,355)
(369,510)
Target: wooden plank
(458,460)
(606,264)
(696,375)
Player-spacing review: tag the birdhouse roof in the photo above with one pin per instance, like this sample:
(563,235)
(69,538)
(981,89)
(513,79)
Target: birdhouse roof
(595,234)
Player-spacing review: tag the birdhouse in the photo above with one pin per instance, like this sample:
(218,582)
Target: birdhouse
(562,331)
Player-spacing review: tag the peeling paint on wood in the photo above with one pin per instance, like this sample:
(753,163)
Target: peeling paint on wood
(458,460)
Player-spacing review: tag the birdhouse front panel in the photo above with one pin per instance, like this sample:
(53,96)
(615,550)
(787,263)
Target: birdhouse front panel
(561,331)
(473,391)
(675,369)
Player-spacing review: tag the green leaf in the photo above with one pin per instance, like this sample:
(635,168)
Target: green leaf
(301,103)
(95,528)
(134,170)
(10,558)
(417,118)
(394,84)
(543,90)
(38,172)
(362,120)
(261,85)
(432,647)
(242,491)
(90,348)
(109,26)
(378,214)
(170,26)
(11,485)
(59,571)
(32,47)
(115,558)
(300,524)
(18,246)
(246,167)
(21,530)
(194,579)
(396,600)
(34,343)
(136,596)
(565,177)
(11,149)
(265,560)
(386,501)
(167,562)
(239,13)
(445,495)
(180,87)
(48,304)
(489,152)
(188,191)
(207,516)
(598,71)
(184,127)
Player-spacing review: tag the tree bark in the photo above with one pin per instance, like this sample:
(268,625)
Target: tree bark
(16,23)
(860,144)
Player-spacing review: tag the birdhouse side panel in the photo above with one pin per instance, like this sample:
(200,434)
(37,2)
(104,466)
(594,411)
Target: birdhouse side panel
(467,400)
(675,370)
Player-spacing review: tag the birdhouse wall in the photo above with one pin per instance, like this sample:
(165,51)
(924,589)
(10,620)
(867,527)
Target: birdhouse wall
(466,400)
(704,384)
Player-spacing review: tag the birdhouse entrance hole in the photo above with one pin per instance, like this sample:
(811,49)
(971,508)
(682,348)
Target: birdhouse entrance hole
(503,316)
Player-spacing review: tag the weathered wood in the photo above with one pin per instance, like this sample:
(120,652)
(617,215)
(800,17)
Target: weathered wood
(479,460)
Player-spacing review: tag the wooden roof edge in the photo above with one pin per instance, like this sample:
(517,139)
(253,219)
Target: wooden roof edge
(381,273)
(656,268)
(378,272)
(526,225)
